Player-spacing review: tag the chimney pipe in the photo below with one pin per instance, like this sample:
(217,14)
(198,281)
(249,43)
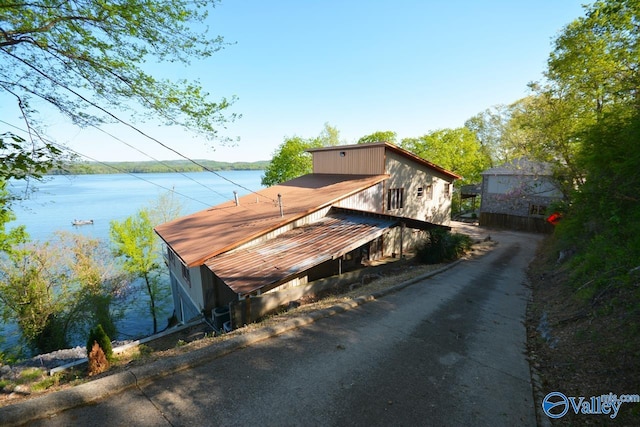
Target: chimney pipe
(235,196)
(280,204)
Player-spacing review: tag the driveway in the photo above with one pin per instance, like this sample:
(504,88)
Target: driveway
(447,350)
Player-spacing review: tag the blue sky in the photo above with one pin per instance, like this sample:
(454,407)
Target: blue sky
(409,66)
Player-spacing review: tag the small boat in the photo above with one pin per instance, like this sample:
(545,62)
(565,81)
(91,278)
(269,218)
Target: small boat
(77,222)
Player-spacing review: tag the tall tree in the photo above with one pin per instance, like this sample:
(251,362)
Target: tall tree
(596,58)
(136,243)
(457,150)
(89,60)
(291,159)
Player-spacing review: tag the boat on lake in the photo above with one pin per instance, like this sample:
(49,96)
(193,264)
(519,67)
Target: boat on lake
(77,222)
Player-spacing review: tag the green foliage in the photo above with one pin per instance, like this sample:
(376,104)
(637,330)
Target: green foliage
(291,159)
(136,244)
(594,66)
(88,59)
(53,290)
(98,335)
(457,150)
(380,136)
(442,246)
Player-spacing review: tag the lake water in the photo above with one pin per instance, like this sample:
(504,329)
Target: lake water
(103,198)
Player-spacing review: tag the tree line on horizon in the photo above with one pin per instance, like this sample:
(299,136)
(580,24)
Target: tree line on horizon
(166,166)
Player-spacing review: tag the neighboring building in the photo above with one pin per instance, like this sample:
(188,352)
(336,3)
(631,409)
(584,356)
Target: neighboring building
(517,195)
(362,202)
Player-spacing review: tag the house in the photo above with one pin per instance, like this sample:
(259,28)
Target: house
(361,202)
(517,196)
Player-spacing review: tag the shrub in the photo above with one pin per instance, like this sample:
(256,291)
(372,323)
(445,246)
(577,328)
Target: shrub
(98,362)
(441,246)
(98,335)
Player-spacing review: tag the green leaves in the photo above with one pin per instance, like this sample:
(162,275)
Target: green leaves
(136,243)
(87,59)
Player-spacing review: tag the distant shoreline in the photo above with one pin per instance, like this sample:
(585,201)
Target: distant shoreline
(166,166)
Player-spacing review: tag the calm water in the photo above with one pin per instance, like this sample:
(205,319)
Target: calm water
(103,198)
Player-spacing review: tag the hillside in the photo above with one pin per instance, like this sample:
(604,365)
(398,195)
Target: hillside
(84,168)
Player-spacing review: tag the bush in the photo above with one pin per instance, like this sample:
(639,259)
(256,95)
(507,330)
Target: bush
(98,362)
(442,246)
(99,336)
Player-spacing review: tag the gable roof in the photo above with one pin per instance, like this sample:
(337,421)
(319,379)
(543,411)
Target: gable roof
(395,149)
(210,232)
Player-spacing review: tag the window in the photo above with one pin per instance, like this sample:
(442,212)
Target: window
(537,210)
(447,190)
(428,193)
(185,274)
(420,191)
(395,198)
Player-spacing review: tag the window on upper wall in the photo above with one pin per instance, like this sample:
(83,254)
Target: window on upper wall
(447,190)
(395,198)
(428,192)
(185,274)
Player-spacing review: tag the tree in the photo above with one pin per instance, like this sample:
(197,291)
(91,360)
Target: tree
(54,290)
(89,60)
(381,136)
(291,159)
(457,150)
(136,244)
(490,128)
(596,58)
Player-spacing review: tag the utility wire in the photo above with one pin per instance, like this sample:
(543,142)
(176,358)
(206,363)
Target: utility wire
(160,161)
(129,125)
(117,169)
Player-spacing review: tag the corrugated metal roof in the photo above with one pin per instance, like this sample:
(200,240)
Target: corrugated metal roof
(276,260)
(210,232)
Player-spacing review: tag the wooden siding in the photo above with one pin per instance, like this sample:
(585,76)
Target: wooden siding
(350,161)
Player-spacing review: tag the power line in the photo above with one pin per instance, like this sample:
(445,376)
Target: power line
(159,161)
(120,170)
(129,125)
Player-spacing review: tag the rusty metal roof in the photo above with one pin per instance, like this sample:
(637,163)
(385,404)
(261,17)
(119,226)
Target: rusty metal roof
(210,232)
(281,258)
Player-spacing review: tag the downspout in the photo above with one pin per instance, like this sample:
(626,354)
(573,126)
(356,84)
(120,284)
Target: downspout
(402,227)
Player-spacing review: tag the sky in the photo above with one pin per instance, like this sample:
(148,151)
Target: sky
(361,66)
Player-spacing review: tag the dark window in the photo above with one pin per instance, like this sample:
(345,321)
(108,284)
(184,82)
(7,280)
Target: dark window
(447,190)
(395,198)
(185,274)
(420,191)
(537,210)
